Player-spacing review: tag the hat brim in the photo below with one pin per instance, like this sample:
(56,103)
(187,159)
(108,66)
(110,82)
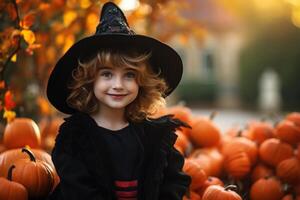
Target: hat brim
(163,58)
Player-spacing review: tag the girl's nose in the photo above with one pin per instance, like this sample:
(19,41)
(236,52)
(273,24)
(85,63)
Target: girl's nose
(117,83)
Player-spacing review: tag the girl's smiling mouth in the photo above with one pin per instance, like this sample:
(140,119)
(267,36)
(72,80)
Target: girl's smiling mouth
(117,96)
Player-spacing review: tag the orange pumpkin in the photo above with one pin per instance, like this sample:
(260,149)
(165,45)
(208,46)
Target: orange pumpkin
(36,176)
(266,188)
(179,148)
(237,165)
(2,148)
(289,170)
(294,117)
(11,190)
(21,132)
(260,131)
(238,144)
(49,128)
(9,157)
(215,160)
(288,132)
(194,170)
(261,171)
(232,132)
(210,181)
(291,197)
(273,151)
(181,112)
(203,160)
(204,132)
(216,192)
(183,142)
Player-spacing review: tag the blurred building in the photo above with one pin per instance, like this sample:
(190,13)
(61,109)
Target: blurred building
(215,59)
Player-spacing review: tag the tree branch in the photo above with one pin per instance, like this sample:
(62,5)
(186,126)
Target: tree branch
(17,26)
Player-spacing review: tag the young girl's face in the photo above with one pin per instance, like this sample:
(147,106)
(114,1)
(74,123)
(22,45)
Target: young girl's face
(116,87)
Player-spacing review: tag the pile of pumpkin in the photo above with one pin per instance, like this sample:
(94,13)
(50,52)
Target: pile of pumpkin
(26,168)
(258,162)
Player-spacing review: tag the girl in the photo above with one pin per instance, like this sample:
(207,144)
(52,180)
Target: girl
(110,148)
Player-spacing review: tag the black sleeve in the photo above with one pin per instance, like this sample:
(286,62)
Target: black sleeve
(76,182)
(176,182)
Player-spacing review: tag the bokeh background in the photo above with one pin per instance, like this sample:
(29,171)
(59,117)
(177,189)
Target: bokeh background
(240,57)
(238,91)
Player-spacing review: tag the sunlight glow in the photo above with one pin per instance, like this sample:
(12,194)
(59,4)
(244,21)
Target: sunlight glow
(294,2)
(267,5)
(296,17)
(270,8)
(129,5)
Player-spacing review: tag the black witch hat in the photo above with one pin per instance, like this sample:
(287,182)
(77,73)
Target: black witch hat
(113,32)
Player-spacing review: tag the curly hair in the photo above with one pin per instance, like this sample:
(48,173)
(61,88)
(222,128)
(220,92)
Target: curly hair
(151,86)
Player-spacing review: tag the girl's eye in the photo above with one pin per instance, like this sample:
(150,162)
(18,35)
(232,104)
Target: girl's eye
(130,75)
(106,74)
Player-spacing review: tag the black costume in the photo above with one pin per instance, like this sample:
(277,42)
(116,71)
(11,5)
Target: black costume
(85,167)
(123,148)
(81,155)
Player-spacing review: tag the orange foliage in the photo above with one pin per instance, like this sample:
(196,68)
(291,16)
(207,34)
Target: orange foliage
(48,29)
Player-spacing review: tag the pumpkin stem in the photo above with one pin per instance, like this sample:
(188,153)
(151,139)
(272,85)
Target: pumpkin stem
(30,153)
(231,187)
(9,174)
(239,133)
(286,187)
(267,176)
(213,115)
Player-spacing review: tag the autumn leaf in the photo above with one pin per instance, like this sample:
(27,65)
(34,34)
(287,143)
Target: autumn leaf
(69,17)
(14,58)
(85,4)
(69,41)
(28,20)
(2,84)
(9,115)
(44,6)
(28,36)
(91,22)
(60,39)
(8,100)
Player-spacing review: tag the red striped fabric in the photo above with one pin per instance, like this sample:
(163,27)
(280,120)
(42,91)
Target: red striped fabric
(126,183)
(126,194)
(126,190)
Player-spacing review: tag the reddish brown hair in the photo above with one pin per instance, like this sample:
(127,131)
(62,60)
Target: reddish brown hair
(151,86)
